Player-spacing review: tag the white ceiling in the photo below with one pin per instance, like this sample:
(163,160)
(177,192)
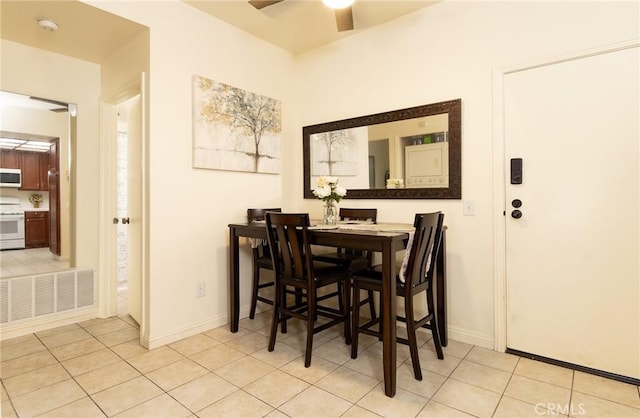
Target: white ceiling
(301,25)
(85,32)
(93,35)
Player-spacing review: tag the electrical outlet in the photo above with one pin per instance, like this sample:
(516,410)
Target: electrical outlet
(201,289)
(468,208)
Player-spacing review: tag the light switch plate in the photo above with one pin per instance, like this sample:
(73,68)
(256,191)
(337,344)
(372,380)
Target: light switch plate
(468,208)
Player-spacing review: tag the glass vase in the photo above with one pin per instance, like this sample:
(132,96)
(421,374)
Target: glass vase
(330,212)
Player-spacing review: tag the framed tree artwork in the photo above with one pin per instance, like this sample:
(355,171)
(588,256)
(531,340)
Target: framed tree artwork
(234,129)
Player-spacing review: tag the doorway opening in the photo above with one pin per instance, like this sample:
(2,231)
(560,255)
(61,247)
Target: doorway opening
(121,209)
(126,178)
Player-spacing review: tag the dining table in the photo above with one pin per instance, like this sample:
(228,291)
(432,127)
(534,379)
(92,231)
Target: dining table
(384,238)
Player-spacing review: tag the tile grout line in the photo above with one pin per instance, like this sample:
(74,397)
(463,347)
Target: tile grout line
(245,355)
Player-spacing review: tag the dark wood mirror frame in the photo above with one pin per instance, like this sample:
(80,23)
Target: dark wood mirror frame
(454,191)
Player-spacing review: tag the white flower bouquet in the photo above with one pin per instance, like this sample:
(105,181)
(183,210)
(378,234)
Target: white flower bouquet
(328,190)
(395,183)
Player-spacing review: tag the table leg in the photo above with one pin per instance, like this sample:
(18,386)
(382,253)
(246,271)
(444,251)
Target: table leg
(388,311)
(441,291)
(234,280)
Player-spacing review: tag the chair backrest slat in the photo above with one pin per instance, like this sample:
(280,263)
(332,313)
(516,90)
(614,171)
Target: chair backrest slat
(259,214)
(253,215)
(424,250)
(287,232)
(358,214)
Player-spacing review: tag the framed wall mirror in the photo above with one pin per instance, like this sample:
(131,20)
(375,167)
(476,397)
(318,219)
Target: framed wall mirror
(412,153)
(37,139)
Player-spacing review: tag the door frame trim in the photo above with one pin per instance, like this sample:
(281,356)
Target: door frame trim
(107,301)
(499,172)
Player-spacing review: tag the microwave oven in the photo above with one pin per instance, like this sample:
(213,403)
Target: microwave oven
(10,177)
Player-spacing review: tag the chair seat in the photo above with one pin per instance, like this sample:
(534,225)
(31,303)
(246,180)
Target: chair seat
(325,274)
(372,279)
(264,262)
(355,262)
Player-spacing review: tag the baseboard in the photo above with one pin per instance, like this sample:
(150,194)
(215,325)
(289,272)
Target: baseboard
(577,367)
(470,337)
(30,326)
(156,341)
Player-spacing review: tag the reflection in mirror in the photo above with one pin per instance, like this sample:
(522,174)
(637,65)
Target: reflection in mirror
(36,140)
(408,153)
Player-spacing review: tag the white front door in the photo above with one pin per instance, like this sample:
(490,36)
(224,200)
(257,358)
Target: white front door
(572,258)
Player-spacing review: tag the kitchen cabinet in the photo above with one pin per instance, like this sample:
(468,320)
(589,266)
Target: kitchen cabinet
(9,159)
(44,171)
(36,225)
(35,167)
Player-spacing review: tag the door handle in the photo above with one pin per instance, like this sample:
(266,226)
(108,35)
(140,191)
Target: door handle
(125,220)
(516,214)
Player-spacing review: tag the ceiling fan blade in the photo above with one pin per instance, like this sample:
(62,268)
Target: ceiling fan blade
(63,107)
(344,19)
(259,4)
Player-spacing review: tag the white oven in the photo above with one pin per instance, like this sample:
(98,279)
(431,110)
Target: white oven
(11,224)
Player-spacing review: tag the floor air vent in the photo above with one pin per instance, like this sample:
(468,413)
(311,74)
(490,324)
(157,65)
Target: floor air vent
(32,297)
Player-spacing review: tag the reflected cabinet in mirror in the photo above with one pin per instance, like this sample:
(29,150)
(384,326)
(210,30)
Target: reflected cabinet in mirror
(411,153)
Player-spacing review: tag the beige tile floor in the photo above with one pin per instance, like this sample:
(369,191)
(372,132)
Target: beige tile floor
(96,368)
(29,261)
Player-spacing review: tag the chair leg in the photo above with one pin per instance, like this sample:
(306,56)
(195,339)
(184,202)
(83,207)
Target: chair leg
(311,310)
(283,302)
(346,309)
(254,293)
(434,325)
(411,337)
(372,305)
(277,303)
(340,295)
(355,319)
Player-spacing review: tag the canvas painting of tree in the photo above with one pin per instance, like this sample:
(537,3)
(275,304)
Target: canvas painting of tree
(234,129)
(334,153)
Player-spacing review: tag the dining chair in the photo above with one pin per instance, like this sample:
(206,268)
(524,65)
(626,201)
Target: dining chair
(288,237)
(261,261)
(355,260)
(415,276)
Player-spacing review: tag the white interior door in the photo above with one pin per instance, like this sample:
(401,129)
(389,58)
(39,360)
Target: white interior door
(572,259)
(132,189)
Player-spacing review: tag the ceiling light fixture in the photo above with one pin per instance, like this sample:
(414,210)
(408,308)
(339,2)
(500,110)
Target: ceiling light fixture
(47,24)
(338,4)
